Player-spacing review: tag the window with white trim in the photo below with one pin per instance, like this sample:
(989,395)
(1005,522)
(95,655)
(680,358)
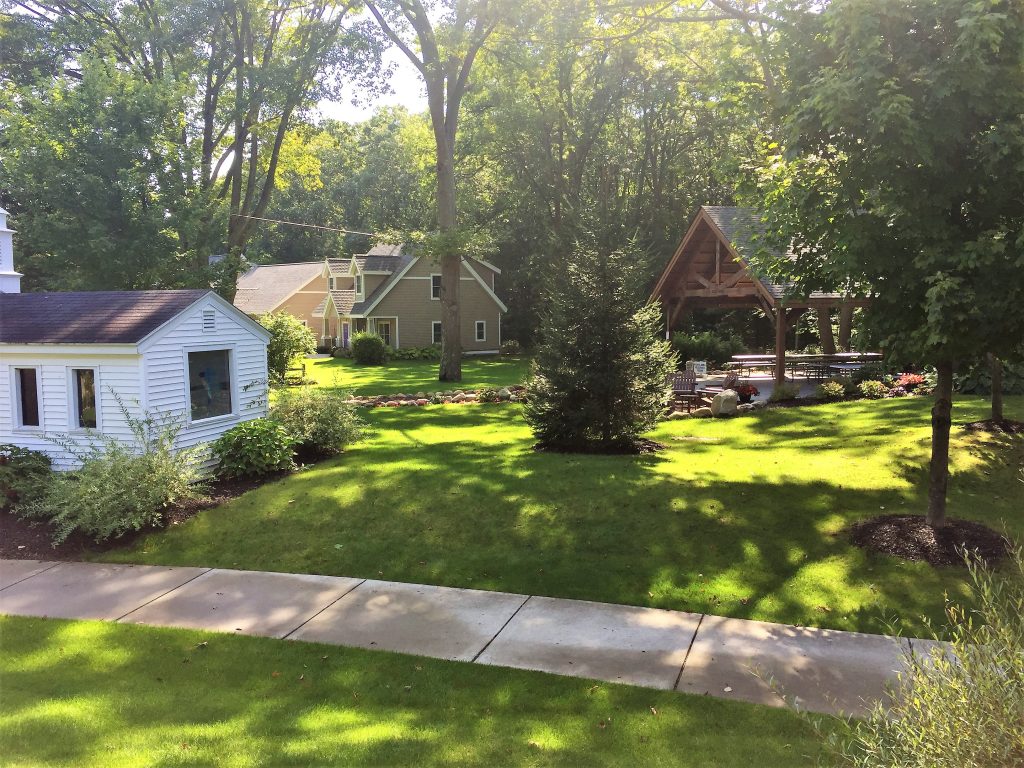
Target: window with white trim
(83,398)
(435,287)
(481,330)
(209,383)
(359,284)
(435,332)
(26,397)
(330,283)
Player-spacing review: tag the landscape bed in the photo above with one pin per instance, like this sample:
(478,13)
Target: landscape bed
(744,517)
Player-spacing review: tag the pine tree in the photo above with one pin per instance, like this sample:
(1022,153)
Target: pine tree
(600,374)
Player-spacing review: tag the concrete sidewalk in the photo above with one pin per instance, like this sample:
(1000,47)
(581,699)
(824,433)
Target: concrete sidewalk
(825,670)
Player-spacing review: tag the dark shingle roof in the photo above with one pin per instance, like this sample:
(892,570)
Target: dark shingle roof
(89,317)
(343,300)
(382,258)
(339,267)
(745,231)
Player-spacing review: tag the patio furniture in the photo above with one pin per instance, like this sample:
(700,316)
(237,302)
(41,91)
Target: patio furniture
(684,389)
(731,380)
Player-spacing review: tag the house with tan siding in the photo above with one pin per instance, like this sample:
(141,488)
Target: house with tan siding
(396,294)
(297,289)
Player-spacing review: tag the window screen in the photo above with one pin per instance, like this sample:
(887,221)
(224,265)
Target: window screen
(209,383)
(28,397)
(84,380)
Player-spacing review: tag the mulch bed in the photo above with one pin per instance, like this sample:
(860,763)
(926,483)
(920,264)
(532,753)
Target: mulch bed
(636,448)
(1006,426)
(909,537)
(24,540)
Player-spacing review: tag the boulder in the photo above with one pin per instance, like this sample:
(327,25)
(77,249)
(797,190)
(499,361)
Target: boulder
(759,404)
(459,397)
(392,403)
(744,407)
(504,393)
(702,413)
(678,415)
(422,401)
(724,403)
(446,400)
(421,395)
(408,402)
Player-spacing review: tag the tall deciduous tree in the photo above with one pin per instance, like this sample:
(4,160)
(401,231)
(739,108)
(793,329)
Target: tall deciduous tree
(443,47)
(903,168)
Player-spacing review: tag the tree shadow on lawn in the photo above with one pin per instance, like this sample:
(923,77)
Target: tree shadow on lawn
(127,694)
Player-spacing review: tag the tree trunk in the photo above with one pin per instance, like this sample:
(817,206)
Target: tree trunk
(996,367)
(828,341)
(780,346)
(451,267)
(939,468)
(845,325)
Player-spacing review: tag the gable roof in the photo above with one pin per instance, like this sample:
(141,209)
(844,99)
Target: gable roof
(265,286)
(90,317)
(384,257)
(343,300)
(339,267)
(401,265)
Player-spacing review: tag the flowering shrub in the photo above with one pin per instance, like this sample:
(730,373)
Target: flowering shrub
(746,389)
(872,390)
(909,381)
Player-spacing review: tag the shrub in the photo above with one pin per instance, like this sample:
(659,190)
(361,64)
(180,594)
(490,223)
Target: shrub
(289,339)
(831,390)
(601,372)
(707,345)
(511,348)
(120,487)
(319,420)
(253,449)
(874,371)
(489,395)
(910,381)
(785,391)
(872,390)
(342,352)
(977,379)
(957,704)
(23,475)
(369,349)
(432,352)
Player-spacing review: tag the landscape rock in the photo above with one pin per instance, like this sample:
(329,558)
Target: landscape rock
(744,407)
(759,404)
(459,397)
(392,403)
(422,401)
(678,415)
(504,394)
(725,403)
(702,413)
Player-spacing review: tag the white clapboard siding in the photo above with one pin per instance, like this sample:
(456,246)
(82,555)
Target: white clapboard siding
(145,378)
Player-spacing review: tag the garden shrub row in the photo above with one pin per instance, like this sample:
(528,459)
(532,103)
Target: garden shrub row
(717,349)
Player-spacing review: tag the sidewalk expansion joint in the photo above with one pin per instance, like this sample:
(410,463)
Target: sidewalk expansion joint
(340,597)
(162,594)
(488,644)
(33,575)
(688,649)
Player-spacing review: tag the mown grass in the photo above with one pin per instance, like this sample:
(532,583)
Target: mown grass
(98,694)
(741,517)
(412,376)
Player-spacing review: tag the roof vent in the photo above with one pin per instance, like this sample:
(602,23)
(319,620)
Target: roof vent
(209,321)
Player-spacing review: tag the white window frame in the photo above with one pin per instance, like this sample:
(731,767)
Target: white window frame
(73,397)
(433,337)
(431,288)
(236,391)
(393,322)
(16,418)
(359,284)
(330,283)
(476,330)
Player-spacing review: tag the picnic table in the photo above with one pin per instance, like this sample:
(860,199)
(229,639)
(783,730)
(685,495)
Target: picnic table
(813,366)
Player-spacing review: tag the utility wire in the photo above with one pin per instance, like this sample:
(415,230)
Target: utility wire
(300,224)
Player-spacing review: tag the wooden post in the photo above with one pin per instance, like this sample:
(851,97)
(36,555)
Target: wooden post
(780,345)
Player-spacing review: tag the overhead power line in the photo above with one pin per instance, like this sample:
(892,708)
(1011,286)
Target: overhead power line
(300,224)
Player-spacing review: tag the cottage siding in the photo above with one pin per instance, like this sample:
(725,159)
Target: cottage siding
(117,376)
(166,358)
(410,301)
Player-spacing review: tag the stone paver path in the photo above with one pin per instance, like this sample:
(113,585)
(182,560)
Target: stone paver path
(824,670)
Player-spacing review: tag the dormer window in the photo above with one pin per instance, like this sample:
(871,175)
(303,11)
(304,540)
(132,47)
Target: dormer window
(330,283)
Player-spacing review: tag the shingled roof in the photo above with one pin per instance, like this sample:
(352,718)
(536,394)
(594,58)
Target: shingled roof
(265,286)
(339,267)
(89,317)
(399,263)
(745,231)
(382,258)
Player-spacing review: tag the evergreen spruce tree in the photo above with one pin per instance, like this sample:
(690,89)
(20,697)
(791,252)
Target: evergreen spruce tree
(600,374)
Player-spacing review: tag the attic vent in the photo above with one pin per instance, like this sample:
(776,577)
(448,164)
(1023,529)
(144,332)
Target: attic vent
(209,321)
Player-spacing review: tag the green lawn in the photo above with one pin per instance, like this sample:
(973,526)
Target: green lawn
(412,376)
(98,694)
(739,517)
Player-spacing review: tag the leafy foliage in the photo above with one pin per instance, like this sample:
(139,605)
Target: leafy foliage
(600,374)
(23,475)
(716,348)
(977,379)
(369,349)
(958,704)
(511,348)
(120,487)
(872,390)
(319,420)
(831,390)
(431,352)
(253,449)
(785,391)
(289,339)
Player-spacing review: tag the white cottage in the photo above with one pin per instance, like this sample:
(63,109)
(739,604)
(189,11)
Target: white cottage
(66,359)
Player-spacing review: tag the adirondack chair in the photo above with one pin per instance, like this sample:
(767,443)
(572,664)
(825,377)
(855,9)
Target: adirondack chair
(731,380)
(684,389)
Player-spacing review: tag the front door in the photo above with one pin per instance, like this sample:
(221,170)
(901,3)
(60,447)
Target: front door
(344,335)
(384,331)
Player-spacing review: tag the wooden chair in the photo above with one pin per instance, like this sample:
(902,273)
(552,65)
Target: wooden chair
(731,380)
(684,389)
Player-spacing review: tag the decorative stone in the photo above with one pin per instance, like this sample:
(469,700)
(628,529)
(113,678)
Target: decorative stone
(446,400)
(423,401)
(678,415)
(759,404)
(459,397)
(744,407)
(504,394)
(392,403)
(408,402)
(702,413)
(724,403)
(421,395)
